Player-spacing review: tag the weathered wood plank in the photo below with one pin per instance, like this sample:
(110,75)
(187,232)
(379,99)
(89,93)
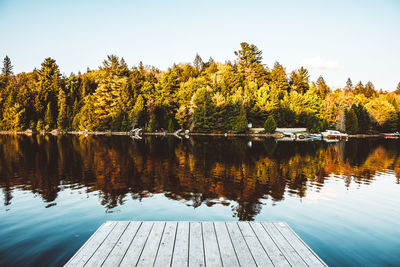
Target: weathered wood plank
(260,256)
(243,253)
(310,258)
(196,251)
(136,247)
(151,247)
(288,251)
(274,253)
(228,254)
(181,249)
(211,249)
(119,250)
(195,244)
(164,255)
(106,247)
(90,247)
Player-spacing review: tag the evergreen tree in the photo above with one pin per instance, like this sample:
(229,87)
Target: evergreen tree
(241,125)
(62,119)
(398,88)
(349,85)
(279,78)
(359,88)
(322,87)
(48,118)
(7,69)
(203,110)
(270,124)
(299,80)
(369,90)
(351,122)
(248,54)
(49,83)
(198,64)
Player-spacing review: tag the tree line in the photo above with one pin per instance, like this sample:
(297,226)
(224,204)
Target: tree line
(203,96)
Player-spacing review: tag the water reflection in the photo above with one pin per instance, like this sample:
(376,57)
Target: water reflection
(201,171)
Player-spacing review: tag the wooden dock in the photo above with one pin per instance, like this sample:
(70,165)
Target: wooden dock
(135,243)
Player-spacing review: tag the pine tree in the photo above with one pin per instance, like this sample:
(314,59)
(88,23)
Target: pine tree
(7,69)
(279,78)
(322,87)
(270,124)
(203,110)
(248,54)
(349,85)
(198,64)
(351,122)
(299,80)
(241,125)
(62,119)
(398,89)
(48,118)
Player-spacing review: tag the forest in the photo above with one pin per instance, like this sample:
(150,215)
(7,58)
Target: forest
(203,96)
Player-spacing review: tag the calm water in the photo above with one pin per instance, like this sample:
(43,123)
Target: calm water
(342,198)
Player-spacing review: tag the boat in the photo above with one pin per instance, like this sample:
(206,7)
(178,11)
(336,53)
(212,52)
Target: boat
(391,135)
(333,134)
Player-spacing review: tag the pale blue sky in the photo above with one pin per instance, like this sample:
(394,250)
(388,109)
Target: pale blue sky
(336,39)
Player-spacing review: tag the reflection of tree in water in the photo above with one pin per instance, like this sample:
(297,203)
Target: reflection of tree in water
(198,171)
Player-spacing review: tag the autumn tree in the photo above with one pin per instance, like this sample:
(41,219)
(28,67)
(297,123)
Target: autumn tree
(299,80)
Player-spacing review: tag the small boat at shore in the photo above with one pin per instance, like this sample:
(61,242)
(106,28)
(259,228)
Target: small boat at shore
(395,135)
(333,134)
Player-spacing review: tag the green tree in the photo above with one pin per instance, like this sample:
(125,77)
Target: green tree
(322,88)
(270,124)
(349,85)
(248,54)
(49,83)
(48,118)
(203,110)
(62,119)
(279,78)
(398,88)
(299,80)
(241,125)
(351,122)
(7,69)
(198,64)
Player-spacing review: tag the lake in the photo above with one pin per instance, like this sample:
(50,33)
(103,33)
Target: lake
(342,198)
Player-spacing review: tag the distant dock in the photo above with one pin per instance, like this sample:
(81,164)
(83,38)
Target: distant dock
(136,243)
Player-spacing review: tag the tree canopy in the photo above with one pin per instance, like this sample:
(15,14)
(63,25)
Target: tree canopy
(204,96)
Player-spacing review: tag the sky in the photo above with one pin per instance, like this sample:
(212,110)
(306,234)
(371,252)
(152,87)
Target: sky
(336,39)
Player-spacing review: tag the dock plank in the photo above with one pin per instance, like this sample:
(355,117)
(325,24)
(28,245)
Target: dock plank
(136,243)
(260,256)
(310,258)
(119,250)
(228,254)
(90,247)
(152,245)
(211,249)
(134,251)
(288,251)
(196,251)
(106,247)
(242,250)
(274,253)
(164,255)
(181,250)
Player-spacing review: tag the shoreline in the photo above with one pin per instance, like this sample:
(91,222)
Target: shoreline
(56,132)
